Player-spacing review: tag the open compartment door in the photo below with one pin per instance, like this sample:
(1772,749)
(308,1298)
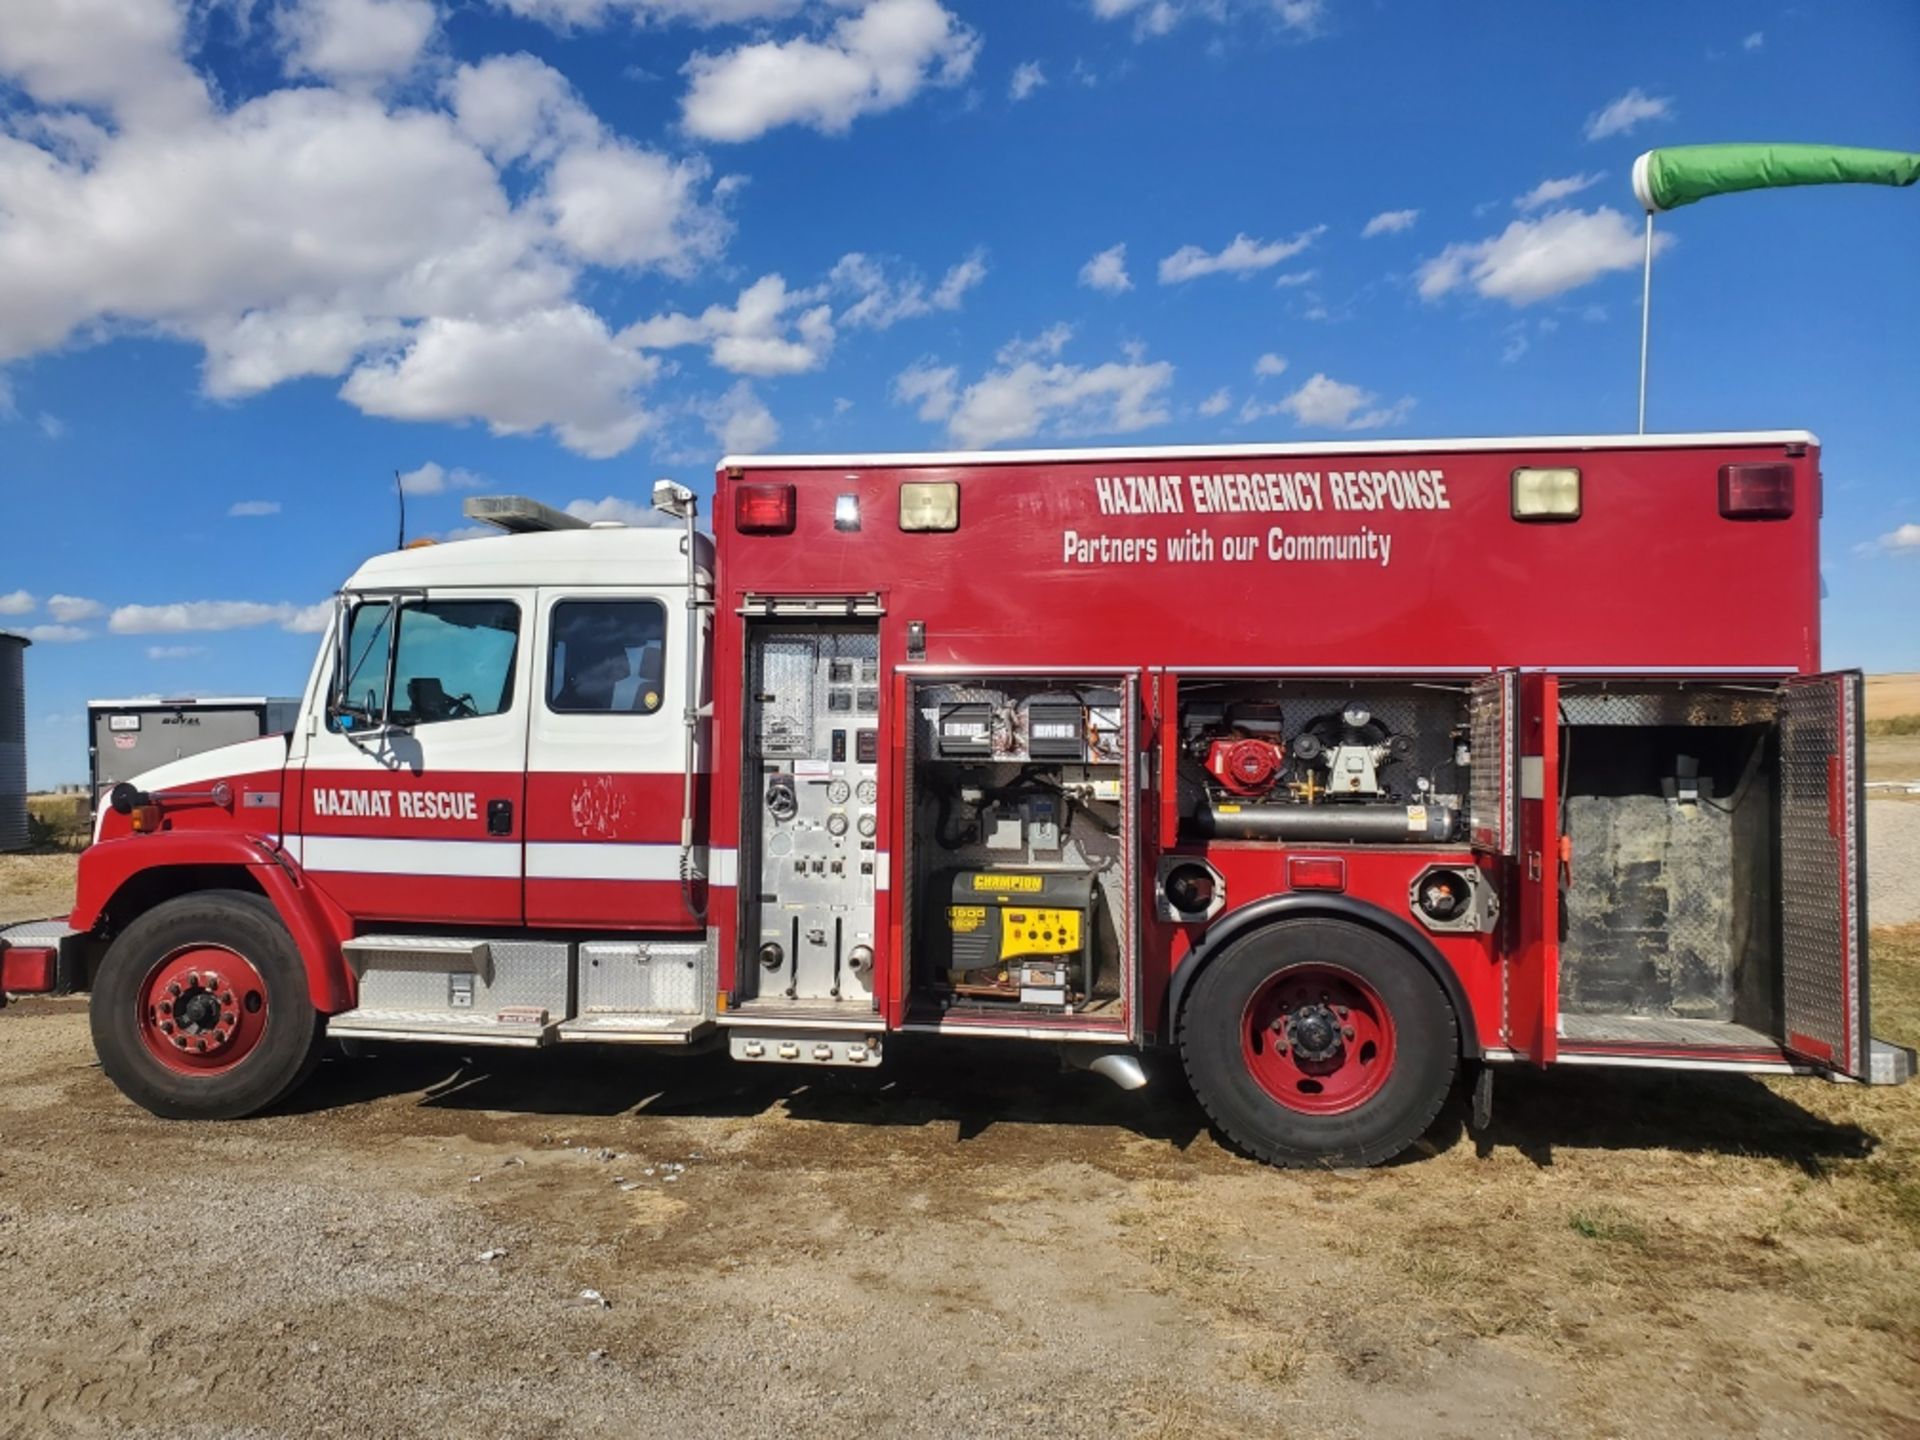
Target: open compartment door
(1823,917)
(1492,708)
(1532,996)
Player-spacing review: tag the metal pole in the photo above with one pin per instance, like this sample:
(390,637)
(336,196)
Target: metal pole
(1646,302)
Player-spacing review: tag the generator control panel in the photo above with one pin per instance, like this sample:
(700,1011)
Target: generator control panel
(816,698)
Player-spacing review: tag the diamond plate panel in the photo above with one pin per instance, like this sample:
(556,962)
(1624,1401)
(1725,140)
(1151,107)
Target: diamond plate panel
(526,973)
(1492,798)
(1819,863)
(635,977)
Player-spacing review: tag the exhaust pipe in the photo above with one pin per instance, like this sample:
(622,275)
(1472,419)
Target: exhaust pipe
(1122,1067)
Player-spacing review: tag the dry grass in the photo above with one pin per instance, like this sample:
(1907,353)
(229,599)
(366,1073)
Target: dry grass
(35,886)
(1892,695)
(60,821)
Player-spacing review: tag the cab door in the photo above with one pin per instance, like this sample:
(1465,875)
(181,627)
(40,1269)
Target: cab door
(607,762)
(1823,934)
(410,787)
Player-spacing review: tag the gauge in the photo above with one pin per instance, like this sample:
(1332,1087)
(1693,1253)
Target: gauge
(836,824)
(868,792)
(868,824)
(838,792)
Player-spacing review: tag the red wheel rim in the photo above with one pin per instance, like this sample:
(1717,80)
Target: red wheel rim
(1318,1039)
(202,1009)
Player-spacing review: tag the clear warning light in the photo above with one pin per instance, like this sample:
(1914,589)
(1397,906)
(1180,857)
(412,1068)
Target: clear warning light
(1546,493)
(930,505)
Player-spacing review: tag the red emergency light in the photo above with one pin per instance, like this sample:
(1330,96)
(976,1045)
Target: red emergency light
(1756,492)
(1316,872)
(763,509)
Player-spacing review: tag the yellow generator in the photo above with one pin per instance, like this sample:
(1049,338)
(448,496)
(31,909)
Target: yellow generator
(1021,934)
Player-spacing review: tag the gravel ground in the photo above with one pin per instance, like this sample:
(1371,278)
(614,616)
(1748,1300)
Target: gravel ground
(1893,861)
(966,1244)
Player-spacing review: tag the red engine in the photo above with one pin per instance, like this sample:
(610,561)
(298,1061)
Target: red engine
(1245,765)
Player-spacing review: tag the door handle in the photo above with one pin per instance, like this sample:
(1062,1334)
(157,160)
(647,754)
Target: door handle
(499,817)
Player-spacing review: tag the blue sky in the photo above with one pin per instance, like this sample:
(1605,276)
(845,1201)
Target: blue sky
(256,256)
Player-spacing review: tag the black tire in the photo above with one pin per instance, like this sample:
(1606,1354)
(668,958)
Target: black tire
(1425,1052)
(287,1048)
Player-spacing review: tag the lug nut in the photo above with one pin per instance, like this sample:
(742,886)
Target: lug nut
(174,988)
(1347,1030)
(181,1041)
(166,1027)
(1341,1011)
(200,1045)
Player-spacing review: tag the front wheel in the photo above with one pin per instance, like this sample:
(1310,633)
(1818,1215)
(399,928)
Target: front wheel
(1319,1042)
(200,1010)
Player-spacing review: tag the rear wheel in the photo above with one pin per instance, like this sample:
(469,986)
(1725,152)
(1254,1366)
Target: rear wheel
(201,1011)
(1318,1042)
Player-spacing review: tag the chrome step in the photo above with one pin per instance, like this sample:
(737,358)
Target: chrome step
(420,952)
(1889,1064)
(526,1029)
(630,1029)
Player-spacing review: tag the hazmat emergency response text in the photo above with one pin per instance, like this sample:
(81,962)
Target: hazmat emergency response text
(1272,492)
(1254,493)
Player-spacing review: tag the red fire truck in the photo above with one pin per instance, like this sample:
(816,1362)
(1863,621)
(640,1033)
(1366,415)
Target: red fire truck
(1338,771)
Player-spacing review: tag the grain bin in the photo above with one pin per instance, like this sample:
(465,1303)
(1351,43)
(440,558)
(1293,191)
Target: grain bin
(13,742)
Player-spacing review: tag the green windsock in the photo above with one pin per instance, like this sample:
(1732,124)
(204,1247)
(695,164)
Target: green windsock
(1681,174)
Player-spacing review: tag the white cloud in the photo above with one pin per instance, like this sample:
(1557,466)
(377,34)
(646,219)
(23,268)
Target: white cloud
(175,652)
(1901,540)
(248,509)
(1324,404)
(869,62)
(884,300)
(1027,78)
(123,55)
(189,616)
(57,634)
(1548,192)
(1242,256)
(1754,41)
(554,369)
(1621,116)
(51,426)
(354,40)
(739,423)
(316,231)
(1157,17)
(1217,403)
(70,609)
(1288,279)
(1270,364)
(768,330)
(613,507)
(1389,222)
(568,14)
(932,390)
(433,478)
(1107,271)
(1030,390)
(1533,260)
(618,204)
(17,602)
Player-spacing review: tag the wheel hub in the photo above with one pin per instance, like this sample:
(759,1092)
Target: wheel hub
(202,1008)
(1313,1031)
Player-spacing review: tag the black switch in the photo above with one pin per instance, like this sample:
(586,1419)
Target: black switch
(839,745)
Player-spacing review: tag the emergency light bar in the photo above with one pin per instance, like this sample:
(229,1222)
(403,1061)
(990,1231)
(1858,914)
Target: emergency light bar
(517,515)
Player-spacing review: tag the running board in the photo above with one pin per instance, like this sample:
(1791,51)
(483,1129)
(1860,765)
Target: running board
(618,1029)
(524,1030)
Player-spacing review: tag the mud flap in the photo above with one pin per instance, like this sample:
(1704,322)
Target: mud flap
(1823,921)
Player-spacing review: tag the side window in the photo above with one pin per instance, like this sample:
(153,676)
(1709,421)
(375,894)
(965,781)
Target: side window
(607,657)
(453,660)
(366,683)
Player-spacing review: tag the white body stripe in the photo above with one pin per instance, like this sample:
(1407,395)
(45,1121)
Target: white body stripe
(909,459)
(565,860)
(480,859)
(723,867)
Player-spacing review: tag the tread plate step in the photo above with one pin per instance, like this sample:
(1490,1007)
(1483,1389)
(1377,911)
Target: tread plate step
(465,1029)
(419,952)
(631,1029)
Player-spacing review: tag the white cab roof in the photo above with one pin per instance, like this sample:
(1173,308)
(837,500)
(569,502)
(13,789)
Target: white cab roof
(1356,446)
(622,555)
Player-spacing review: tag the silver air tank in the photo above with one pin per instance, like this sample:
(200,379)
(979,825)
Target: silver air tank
(13,742)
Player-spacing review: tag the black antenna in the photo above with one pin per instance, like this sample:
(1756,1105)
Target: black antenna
(400,491)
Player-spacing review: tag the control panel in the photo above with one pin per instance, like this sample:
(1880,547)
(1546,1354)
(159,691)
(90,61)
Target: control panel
(816,696)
